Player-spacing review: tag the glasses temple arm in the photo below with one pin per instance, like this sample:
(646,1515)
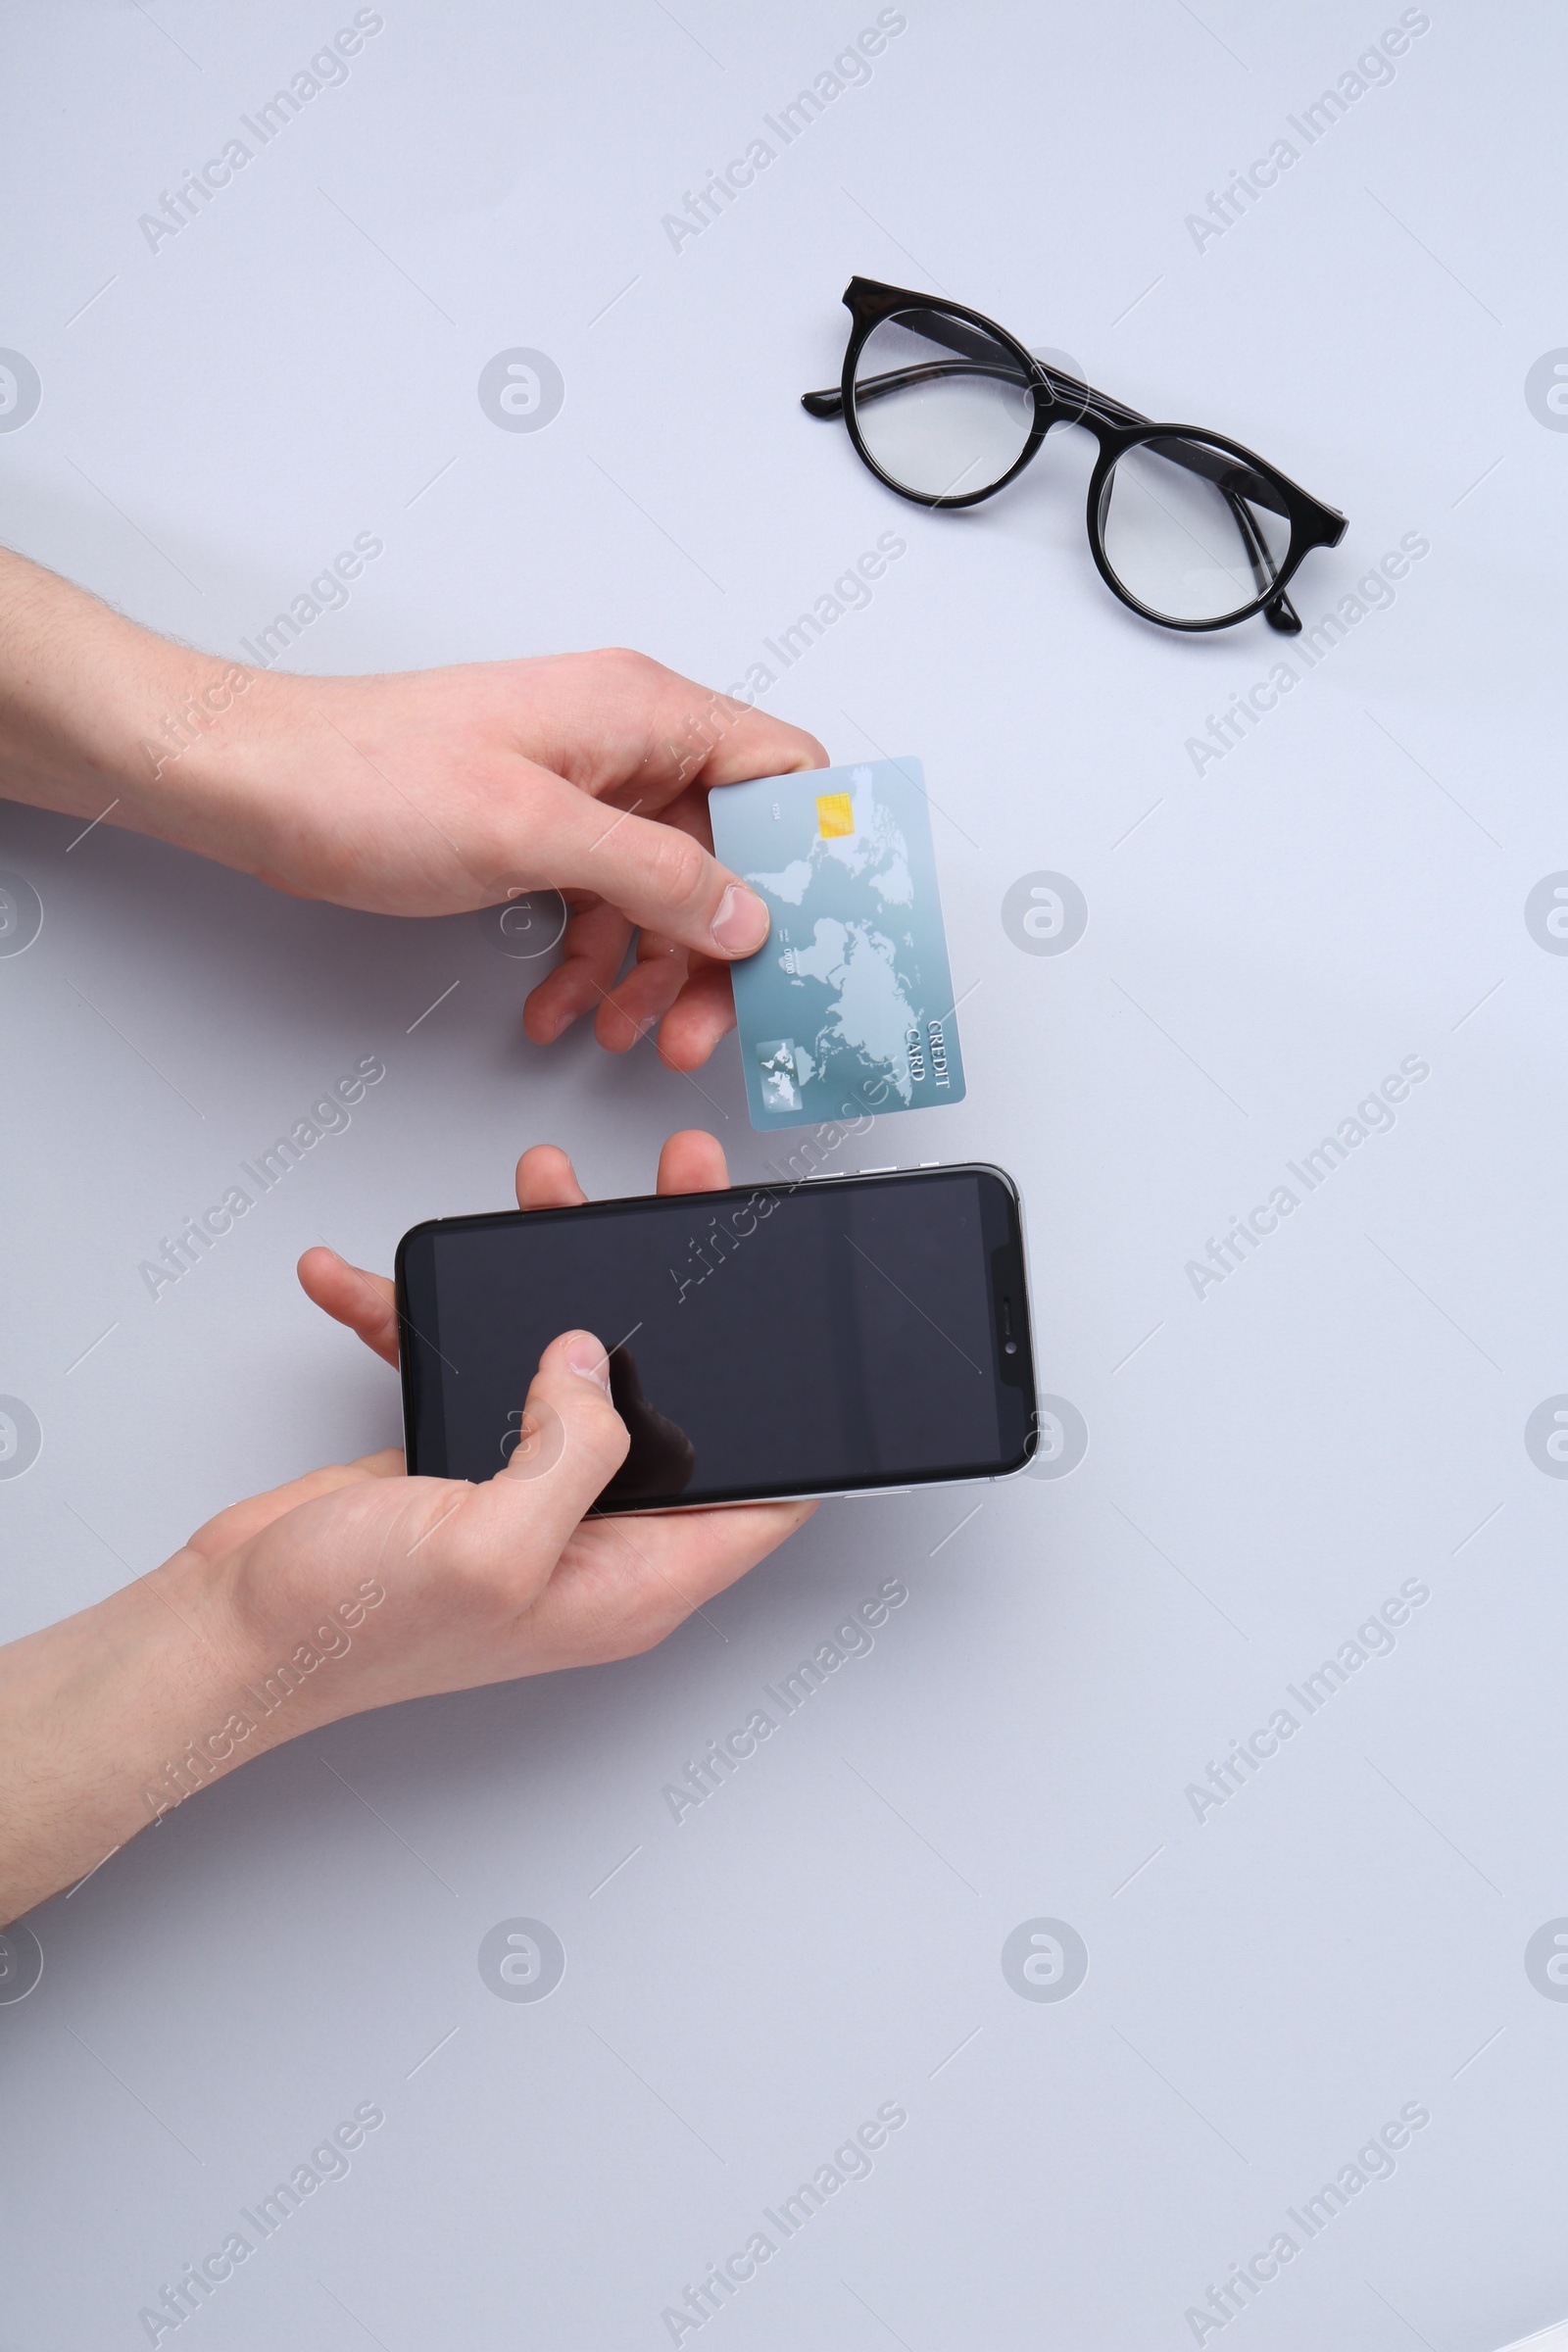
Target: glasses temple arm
(1279,612)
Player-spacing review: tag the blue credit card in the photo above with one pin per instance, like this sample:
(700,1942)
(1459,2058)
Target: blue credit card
(849,1007)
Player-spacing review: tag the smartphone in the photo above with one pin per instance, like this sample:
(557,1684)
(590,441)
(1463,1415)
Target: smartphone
(828,1337)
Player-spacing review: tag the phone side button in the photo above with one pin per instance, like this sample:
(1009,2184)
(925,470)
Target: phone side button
(869,1493)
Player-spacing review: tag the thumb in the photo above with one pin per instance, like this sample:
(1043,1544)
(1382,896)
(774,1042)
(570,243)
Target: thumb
(570,1443)
(657,875)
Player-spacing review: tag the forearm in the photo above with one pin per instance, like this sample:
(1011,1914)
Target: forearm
(113,1717)
(99,717)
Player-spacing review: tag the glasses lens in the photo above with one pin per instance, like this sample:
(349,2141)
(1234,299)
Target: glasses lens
(1191,531)
(942,408)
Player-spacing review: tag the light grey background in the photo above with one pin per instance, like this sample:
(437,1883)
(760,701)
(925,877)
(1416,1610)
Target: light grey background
(1266,941)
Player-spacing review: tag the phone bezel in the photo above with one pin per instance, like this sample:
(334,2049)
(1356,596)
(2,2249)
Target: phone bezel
(423,1411)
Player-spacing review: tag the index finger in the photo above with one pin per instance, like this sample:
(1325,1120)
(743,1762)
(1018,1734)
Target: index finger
(616,722)
(728,742)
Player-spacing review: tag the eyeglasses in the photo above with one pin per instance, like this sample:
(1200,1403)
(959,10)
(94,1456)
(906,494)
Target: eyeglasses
(1190,530)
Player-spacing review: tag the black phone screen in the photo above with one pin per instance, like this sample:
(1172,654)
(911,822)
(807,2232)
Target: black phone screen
(842,1332)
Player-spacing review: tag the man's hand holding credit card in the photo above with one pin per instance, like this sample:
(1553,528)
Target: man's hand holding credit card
(847,1006)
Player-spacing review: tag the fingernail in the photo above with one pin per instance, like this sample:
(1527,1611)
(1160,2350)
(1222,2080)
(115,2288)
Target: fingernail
(585,1356)
(742,922)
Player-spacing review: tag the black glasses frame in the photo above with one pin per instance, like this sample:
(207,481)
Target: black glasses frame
(1062,399)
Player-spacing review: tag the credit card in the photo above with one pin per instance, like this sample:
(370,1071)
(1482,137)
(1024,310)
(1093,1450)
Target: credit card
(849,1005)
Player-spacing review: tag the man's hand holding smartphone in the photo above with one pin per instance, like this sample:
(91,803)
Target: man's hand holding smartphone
(357,1587)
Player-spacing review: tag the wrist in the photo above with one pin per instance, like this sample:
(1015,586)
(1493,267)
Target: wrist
(218,1695)
(190,758)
